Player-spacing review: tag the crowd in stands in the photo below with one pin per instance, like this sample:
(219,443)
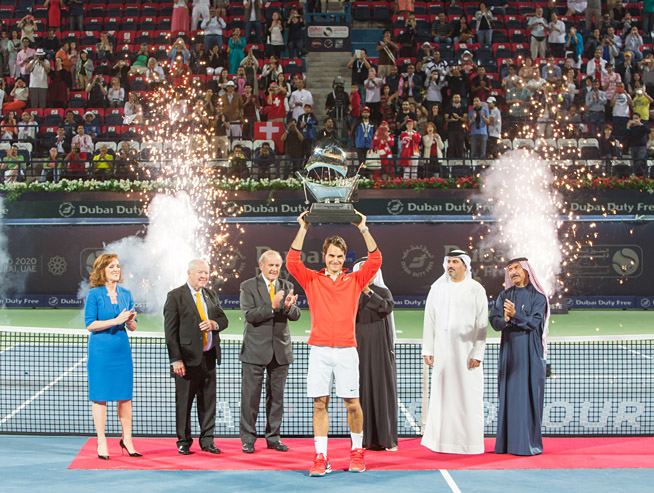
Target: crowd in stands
(449,80)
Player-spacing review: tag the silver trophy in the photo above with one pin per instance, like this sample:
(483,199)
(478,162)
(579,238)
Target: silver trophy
(325,177)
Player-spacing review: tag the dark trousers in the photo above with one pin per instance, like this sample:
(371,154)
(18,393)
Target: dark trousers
(251,397)
(200,382)
(456,144)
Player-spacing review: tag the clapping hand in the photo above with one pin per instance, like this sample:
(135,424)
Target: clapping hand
(279,296)
(290,300)
(509,310)
(125,316)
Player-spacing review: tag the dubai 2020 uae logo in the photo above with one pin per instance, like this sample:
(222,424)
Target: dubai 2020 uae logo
(625,262)
(417,261)
(395,207)
(232,265)
(57,265)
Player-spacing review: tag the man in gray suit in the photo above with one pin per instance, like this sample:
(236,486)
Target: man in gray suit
(268,303)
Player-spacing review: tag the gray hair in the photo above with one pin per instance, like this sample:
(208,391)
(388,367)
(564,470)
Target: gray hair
(263,256)
(193,263)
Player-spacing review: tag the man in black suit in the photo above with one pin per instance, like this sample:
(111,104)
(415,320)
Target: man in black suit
(192,319)
(268,303)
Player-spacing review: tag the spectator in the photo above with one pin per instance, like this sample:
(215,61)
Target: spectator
(28,27)
(518,99)
(276,35)
(23,58)
(177,48)
(551,72)
(253,20)
(104,49)
(84,141)
(637,136)
(432,151)
(90,128)
(212,62)
(76,15)
(647,17)
(621,104)
(276,103)
(251,67)
(200,11)
(213,26)
(538,25)
(50,43)
(270,72)
(478,120)
(327,135)
(154,74)
(627,69)
(456,120)
(54,13)
(556,36)
(462,32)
(84,70)
(13,48)
(614,40)
(295,38)
(265,164)
(382,143)
(408,37)
(236,47)
(593,14)
(494,128)
(511,79)
(609,81)
(97,93)
(11,165)
(437,117)
(591,44)
(596,107)
(596,67)
(292,138)
(180,20)
(38,68)
(70,123)
(178,71)
(103,164)
(467,64)
(395,84)
(484,24)
(75,163)
(232,103)
(307,123)
(299,98)
(52,166)
(221,129)
(412,84)
(21,94)
(480,85)
(387,104)
(133,110)
(609,147)
(574,44)
(363,133)
(576,7)
(633,44)
(373,94)
(62,141)
(4,53)
(360,67)
(9,127)
(388,50)
(441,30)
(618,11)
(457,84)
(354,106)
(27,128)
(642,102)
(126,166)
(647,68)
(410,153)
(251,108)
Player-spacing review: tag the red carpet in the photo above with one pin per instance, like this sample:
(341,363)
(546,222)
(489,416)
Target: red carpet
(560,453)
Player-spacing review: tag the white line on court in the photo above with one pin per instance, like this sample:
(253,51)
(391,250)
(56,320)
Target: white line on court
(409,418)
(635,352)
(44,389)
(450,482)
(8,348)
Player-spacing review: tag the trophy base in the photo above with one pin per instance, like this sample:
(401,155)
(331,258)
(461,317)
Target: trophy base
(341,213)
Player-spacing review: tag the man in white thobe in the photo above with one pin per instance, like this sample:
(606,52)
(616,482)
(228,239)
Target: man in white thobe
(454,339)
(299,98)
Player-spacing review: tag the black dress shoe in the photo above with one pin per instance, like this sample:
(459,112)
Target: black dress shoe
(278,446)
(184,450)
(248,448)
(212,449)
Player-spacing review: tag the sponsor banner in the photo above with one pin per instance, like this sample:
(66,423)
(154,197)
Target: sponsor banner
(283,204)
(56,259)
(328,38)
(645,302)
(596,302)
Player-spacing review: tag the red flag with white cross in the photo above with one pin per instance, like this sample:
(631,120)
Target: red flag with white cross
(270,131)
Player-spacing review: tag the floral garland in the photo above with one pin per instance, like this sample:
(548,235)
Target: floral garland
(13,191)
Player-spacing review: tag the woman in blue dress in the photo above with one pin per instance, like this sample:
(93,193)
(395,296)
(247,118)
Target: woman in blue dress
(236,50)
(108,311)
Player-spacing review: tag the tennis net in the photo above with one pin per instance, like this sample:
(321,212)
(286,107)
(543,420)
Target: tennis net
(598,386)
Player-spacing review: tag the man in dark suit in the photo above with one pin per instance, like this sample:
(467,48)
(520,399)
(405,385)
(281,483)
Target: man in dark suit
(192,319)
(268,303)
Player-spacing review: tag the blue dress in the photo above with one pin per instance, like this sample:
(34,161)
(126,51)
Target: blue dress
(109,363)
(520,371)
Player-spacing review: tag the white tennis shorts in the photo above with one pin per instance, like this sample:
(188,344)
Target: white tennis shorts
(327,364)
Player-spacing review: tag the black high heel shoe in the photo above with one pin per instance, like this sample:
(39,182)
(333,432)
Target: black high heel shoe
(103,457)
(131,454)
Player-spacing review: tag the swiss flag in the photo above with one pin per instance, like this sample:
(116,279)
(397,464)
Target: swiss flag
(270,131)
